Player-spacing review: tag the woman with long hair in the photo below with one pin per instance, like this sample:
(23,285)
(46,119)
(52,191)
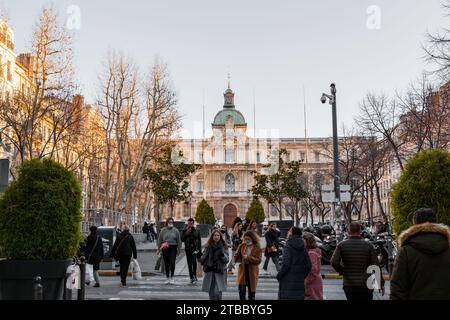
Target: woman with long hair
(169,243)
(248,254)
(313,282)
(214,261)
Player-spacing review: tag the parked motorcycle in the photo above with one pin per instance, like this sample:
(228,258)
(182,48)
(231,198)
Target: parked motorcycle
(382,244)
(327,248)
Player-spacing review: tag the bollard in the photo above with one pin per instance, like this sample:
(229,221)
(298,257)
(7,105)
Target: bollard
(81,291)
(38,289)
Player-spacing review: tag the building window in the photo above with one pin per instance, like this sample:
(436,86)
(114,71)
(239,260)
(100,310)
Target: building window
(273,210)
(288,157)
(229,183)
(200,156)
(258,157)
(229,156)
(317,156)
(200,185)
(302,156)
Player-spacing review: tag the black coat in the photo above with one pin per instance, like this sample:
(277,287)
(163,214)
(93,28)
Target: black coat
(271,239)
(192,240)
(124,246)
(94,250)
(351,259)
(295,268)
(422,267)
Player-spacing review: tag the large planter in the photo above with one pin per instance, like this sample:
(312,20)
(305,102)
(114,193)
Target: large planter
(17,278)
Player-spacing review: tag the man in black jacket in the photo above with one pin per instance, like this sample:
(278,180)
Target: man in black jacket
(193,245)
(351,259)
(272,246)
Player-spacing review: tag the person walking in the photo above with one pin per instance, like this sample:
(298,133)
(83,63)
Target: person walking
(214,261)
(192,245)
(295,267)
(422,268)
(272,247)
(153,233)
(313,282)
(225,234)
(169,244)
(123,250)
(351,259)
(94,251)
(248,254)
(253,226)
(146,230)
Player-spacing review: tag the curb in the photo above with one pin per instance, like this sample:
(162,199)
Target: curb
(337,276)
(112,273)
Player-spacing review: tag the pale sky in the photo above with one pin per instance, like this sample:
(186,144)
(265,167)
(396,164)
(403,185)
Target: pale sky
(271,48)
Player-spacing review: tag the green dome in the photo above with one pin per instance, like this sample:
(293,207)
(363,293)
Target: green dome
(221,117)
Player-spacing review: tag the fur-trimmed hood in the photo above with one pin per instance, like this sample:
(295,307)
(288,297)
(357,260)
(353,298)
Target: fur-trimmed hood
(429,238)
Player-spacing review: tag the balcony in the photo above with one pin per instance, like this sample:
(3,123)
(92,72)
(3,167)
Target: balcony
(223,194)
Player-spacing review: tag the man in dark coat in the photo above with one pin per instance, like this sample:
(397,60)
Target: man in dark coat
(351,259)
(422,267)
(193,246)
(94,252)
(295,267)
(123,249)
(272,246)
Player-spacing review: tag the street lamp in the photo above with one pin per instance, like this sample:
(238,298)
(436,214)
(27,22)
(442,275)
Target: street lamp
(332,100)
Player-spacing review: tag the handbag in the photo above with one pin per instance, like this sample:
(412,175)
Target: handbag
(158,263)
(164,245)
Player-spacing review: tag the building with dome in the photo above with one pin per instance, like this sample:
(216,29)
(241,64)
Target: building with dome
(228,159)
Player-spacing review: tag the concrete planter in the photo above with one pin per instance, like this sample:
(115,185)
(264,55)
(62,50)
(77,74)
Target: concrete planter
(17,278)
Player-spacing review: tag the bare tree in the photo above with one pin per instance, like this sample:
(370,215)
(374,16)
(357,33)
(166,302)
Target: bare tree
(140,118)
(379,115)
(37,117)
(425,119)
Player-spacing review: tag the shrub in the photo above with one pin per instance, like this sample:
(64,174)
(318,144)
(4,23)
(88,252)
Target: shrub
(40,213)
(425,182)
(205,213)
(255,212)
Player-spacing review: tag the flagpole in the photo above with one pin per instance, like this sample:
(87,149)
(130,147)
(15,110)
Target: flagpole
(203,149)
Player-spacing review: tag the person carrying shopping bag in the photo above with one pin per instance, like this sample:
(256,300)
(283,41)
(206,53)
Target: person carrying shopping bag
(214,261)
(169,244)
(124,249)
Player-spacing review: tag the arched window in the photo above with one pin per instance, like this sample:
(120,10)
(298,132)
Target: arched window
(229,183)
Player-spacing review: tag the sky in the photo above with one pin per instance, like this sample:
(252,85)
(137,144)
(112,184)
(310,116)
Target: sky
(274,51)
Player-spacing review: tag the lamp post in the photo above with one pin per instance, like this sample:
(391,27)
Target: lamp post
(332,100)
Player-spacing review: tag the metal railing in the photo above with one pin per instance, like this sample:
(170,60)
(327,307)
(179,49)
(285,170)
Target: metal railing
(105,217)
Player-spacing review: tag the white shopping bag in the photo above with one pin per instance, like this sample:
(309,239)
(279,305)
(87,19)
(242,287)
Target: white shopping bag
(73,280)
(89,272)
(137,275)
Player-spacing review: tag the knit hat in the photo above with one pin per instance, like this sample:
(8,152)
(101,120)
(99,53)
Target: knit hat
(423,215)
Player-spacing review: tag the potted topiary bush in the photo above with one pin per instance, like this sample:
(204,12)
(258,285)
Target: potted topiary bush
(256,212)
(40,229)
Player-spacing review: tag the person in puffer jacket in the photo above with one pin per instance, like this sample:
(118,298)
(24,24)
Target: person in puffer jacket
(422,268)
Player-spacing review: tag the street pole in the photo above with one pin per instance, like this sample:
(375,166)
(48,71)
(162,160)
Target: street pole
(336,176)
(335,148)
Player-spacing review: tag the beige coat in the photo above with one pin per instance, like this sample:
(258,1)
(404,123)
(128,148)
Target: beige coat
(253,261)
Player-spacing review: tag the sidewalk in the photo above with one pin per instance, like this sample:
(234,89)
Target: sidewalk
(147,259)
